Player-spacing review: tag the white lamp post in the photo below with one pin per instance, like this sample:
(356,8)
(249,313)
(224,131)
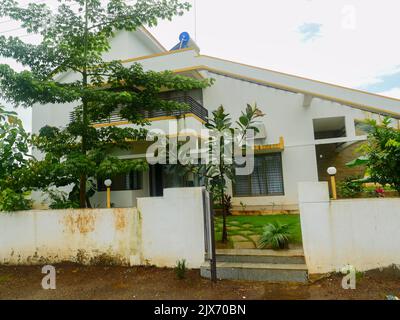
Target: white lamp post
(108,183)
(332,172)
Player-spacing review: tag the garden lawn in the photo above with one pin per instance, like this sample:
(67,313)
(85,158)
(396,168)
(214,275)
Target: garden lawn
(245,231)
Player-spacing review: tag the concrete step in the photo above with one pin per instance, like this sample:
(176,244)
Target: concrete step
(293,256)
(273,272)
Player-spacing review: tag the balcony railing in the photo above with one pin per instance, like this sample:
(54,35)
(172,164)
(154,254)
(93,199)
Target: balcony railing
(194,108)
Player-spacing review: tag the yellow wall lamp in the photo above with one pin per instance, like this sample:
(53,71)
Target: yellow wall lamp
(108,184)
(332,172)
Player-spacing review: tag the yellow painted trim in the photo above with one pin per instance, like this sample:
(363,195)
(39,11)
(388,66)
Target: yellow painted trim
(121,123)
(269,147)
(189,69)
(196,117)
(299,77)
(106,85)
(188,134)
(190,115)
(112,124)
(162,118)
(155,55)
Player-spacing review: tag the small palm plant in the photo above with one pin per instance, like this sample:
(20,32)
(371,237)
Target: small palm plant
(276,235)
(180,269)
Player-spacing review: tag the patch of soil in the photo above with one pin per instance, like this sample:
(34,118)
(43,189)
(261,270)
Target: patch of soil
(78,282)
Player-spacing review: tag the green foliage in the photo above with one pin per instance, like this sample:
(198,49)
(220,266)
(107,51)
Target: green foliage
(381,154)
(180,269)
(350,187)
(11,200)
(60,200)
(14,162)
(221,168)
(14,145)
(6,115)
(75,40)
(277,235)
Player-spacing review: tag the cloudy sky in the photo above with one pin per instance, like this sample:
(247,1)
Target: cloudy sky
(351,43)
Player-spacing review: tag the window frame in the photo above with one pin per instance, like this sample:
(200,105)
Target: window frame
(249,180)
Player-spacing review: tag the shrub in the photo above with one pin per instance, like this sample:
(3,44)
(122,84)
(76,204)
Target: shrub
(350,187)
(276,235)
(14,201)
(59,200)
(380,192)
(380,154)
(180,269)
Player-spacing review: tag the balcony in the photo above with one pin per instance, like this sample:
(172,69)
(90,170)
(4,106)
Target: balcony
(195,108)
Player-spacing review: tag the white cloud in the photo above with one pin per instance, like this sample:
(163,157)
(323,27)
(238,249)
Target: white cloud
(310,31)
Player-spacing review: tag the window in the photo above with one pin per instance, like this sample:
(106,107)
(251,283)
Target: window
(328,128)
(266,179)
(130,181)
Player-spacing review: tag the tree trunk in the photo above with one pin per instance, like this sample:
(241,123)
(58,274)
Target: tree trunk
(224,230)
(82,182)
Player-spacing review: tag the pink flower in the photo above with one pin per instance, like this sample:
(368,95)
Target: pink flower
(380,192)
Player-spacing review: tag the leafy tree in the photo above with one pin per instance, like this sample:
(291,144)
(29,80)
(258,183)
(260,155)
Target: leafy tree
(74,38)
(6,115)
(381,154)
(14,157)
(222,166)
(14,147)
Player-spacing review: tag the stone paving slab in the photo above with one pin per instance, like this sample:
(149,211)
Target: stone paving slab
(237,238)
(244,245)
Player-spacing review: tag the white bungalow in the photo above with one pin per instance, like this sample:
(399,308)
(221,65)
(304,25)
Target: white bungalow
(308,125)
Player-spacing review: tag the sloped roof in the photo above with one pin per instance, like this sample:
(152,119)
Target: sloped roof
(187,59)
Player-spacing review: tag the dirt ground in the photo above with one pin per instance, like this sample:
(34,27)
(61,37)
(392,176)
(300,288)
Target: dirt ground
(77,282)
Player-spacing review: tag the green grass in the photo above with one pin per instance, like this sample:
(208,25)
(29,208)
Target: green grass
(247,226)
(4,278)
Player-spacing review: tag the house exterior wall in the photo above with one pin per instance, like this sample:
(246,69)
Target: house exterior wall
(358,232)
(284,117)
(125,43)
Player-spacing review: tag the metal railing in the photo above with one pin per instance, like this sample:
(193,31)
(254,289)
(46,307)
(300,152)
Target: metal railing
(194,108)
